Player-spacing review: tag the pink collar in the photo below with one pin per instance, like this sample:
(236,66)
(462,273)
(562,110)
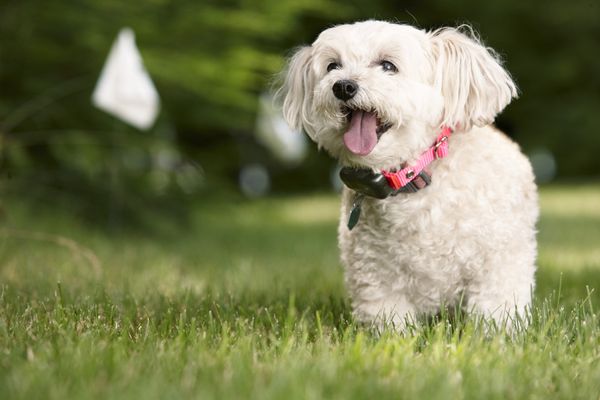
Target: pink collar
(401,178)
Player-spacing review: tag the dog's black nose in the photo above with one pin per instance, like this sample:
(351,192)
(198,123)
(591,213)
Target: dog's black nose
(345,89)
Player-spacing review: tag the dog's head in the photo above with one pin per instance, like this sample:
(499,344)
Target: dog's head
(374,93)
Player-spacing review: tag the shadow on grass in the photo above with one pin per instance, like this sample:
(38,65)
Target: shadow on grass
(570,286)
(568,231)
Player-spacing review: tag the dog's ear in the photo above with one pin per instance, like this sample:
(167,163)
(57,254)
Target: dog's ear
(296,92)
(470,77)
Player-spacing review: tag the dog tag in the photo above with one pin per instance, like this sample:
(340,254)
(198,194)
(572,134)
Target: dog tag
(355,212)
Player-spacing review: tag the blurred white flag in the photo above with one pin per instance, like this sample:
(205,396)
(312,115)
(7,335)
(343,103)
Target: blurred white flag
(124,88)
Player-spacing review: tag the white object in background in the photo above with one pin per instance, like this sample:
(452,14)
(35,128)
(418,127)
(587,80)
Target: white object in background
(288,145)
(544,165)
(124,88)
(254,180)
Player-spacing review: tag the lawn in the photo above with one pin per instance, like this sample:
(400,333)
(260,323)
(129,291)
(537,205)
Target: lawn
(245,299)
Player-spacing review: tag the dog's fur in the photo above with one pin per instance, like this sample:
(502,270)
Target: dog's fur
(468,236)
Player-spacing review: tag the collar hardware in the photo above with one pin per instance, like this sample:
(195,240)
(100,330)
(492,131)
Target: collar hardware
(439,153)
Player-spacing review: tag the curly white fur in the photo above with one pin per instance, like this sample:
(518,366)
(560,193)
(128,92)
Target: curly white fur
(470,235)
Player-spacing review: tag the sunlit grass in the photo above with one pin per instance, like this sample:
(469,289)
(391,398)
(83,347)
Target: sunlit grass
(247,301)
(570,227)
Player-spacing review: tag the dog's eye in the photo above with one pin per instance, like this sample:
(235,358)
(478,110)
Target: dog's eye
(333,66)
(388,66)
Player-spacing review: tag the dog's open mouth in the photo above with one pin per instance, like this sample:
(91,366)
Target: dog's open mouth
(364,130)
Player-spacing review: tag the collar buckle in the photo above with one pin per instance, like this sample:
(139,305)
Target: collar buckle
(438,150)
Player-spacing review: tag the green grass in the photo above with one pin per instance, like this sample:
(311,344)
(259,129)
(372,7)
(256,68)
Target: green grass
(247,301)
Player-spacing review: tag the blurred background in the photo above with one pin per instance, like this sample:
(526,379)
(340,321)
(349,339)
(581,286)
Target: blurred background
(213,64)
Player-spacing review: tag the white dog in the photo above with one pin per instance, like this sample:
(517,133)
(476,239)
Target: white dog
(441,207)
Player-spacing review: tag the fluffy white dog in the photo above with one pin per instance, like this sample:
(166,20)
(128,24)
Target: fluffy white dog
(441,207)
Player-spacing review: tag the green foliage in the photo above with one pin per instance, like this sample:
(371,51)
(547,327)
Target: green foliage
(248,302)
(211,60)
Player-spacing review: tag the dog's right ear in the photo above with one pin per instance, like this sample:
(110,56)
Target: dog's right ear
(470,77)
(296,91)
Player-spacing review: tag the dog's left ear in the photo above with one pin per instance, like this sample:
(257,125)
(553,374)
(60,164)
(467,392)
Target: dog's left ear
(296,92)
(470,77)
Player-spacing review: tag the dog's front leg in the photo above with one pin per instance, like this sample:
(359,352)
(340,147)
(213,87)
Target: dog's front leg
(389,311)
(504,293)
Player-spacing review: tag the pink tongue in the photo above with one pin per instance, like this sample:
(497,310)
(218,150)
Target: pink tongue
(362,134)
